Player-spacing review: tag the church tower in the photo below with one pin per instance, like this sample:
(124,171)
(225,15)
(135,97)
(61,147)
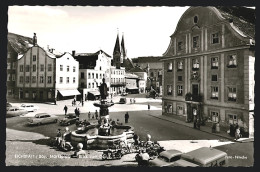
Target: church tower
(117,53)
(123,50)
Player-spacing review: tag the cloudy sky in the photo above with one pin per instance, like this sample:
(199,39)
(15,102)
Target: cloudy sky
(146,30)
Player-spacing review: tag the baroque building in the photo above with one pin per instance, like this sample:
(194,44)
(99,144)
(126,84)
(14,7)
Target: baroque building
(208,68)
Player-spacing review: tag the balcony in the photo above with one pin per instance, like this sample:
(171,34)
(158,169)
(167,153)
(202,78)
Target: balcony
(117,84)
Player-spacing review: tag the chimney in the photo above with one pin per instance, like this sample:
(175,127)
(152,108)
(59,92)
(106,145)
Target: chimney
(34,39)
(73,53)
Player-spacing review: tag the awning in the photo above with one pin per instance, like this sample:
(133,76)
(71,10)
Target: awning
(133,88)
(95,93)
(65,93)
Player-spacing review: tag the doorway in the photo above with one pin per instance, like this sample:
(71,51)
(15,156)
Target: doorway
(195,89)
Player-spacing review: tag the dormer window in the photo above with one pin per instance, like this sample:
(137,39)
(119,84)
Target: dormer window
(232,61)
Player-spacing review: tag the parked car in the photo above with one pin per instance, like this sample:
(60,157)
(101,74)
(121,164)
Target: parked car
(166,158)
(8,105)
(124,94)
(70,119)
(122,101)
(203,157)
(15,111)
(42,118)
(29,107)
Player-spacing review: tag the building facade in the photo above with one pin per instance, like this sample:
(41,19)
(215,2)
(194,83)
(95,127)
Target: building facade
(117,80)
(208,68)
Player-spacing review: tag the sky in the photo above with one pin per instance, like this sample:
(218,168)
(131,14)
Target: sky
(146,30)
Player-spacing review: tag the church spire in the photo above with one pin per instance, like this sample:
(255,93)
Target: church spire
(117,46)
(123,47)
(117,53)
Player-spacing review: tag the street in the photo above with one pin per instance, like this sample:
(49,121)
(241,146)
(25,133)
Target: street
(239,154)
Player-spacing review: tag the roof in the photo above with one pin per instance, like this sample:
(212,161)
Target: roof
(137,69)
(19,43)
(128,64)
(130,75)
(243,18)
(148,59)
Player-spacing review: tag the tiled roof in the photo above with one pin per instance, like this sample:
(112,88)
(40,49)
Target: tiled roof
(137,69)
(128,64)
(148,59)
(92,54)
(243,18)
(19,43)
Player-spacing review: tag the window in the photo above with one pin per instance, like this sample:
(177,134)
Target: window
(49,79)
(195,64)
(34,68)
(180,46)
(21,68)
(34,58)
(100,76)
(8,65)
(74,80)
(93,75)
(214,116)
(49,67)
(100,68)
(14,65)
(61,80)
(68,68)
(61,67)
(13,77)
(33,79)
(27,79)
(41,79)
(96,75)
(214,77)
(82,85)
(169,108)
(214,92)
(180,110)
(169,90)
(232,95)
(169,67)
(195,19)
(179,66)
(21,79)
(82,75)
(195,42)
(88,75)
(232,119)
(179,78)
(232,61)
(68,80)
(42,67)
(27,68)
(214,63)
(89,85)
(179,90)
(151,74)
(92,85)
(215,38)
(74,69)
(8,77)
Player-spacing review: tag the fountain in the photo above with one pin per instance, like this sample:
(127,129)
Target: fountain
(101,135)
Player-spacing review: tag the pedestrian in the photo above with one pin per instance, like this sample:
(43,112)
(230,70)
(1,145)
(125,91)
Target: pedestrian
(198,123)
(65,109)
(96,113)
(82,103)
(72,103)
(78,111)
(237,133)
(130,101)
(93,116)
(134,100)
(126,117)
(194,122)
(89,115)
(148,106)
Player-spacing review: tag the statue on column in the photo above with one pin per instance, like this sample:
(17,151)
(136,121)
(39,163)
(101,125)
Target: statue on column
(103,90)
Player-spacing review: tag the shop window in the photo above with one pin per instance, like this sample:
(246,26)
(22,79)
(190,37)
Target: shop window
(214,77)
(179,66)
(214,92)
(169,90)
(26,94)
(169,67)
(215,38)
(195,64)
(214,116)
(180,46)
(49,95)
(180,110)
(232,61)
(232,95)
(179,90)
(195,41)
(214,63)
(169,108)
(232,119)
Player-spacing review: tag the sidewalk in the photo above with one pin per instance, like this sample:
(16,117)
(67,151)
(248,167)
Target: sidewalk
(206,129)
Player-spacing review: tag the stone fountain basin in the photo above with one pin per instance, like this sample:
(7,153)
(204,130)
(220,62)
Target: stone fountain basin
(96,141)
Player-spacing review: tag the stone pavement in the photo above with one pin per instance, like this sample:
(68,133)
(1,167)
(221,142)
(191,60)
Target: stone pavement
(207,129)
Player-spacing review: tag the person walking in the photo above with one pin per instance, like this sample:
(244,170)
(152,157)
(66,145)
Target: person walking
(76,111)
(126,117)
(89,115)
(148,106)
(134,100)
(96,114)
(65,109)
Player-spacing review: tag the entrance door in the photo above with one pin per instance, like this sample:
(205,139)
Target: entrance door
(195,89)
(21,94)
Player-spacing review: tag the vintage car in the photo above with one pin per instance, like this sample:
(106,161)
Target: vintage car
(122,101)
(15,111)
(124,94)
(42,118)
(166,158)
(8,105)
(29,107)
(203,157)
(70,119)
